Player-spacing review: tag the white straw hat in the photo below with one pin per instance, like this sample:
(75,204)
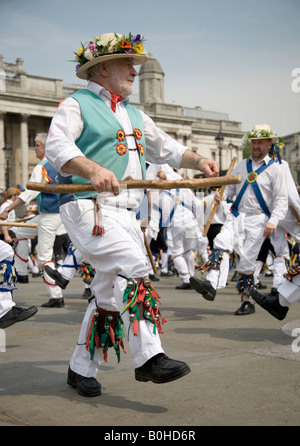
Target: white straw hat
(262,131)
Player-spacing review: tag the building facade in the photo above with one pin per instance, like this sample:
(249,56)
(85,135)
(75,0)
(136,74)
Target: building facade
(291,154)
(28,103)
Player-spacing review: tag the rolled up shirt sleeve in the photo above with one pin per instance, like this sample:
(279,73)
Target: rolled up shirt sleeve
(65,129)
(279,197)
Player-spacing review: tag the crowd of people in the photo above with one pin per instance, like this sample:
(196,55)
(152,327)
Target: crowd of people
(109,227)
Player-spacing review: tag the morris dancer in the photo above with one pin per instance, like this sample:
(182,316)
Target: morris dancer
(260,203)
(10,313)
(180,212)
(97,137)
(288,224)
(48,221)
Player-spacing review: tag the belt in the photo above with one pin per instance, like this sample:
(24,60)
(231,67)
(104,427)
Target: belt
(258,212)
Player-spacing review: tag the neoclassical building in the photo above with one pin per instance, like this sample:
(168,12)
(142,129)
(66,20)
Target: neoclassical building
(28,103)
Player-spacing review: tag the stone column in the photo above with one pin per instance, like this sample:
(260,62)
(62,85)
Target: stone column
(24,148)
(2,153)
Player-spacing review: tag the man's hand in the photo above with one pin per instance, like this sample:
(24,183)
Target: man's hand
(209,167)
(270,230)
(191,160)
(218,197)
(4,215)
(104,180)
(8,239)
(161,174)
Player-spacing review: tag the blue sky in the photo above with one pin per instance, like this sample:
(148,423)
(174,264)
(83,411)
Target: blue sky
(234,56)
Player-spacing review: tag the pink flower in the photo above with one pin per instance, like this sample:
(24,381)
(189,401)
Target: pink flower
(92,46)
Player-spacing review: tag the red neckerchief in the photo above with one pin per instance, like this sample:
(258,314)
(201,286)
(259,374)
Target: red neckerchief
(114,98)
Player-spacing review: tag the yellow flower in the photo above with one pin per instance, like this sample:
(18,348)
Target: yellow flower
(79,52)
(138,48)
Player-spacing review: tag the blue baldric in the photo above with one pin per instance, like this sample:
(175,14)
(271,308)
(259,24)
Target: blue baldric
(251,179)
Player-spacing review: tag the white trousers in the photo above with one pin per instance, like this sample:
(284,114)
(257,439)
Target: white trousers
(182,252)
(47,226)
(116,256)
(290,291)
(242,234)
(68,268)
(6,300)
(281,248)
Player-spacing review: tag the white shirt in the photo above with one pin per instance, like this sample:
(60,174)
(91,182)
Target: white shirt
(291,188)
(222,212)
(67,125)
(11,215)
(37,177)
(272,186)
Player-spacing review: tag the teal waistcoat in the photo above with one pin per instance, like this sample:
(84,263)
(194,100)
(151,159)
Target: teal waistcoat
(103,138)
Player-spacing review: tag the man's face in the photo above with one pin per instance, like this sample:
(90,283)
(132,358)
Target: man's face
(122,74)
(260,148)
(39,150)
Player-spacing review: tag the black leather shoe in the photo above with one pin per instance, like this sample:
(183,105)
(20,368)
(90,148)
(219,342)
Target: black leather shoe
(236,277)
(54,303)
(84,386)
(17,314)
(245,309)
(260,286)
(56,276)
(87,293)
(22,279)
(270,302)
(36,275)
(184,286)
(203,287)
(161,369)
(153,278)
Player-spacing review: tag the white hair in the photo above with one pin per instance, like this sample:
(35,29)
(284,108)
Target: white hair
(42,137)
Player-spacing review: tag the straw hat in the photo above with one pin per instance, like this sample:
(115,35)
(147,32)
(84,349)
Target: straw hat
(262,131)
(109,46)
(12,191)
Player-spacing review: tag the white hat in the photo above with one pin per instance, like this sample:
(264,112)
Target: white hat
(262,131)
(109,46)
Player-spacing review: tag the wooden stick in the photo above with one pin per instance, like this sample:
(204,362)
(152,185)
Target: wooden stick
(150,254)
(294,212)
(216,206)
(137,184)
(17,223)
(29,217)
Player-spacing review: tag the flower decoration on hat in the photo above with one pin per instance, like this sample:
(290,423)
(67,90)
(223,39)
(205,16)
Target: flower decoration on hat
(261,132)
(102,46)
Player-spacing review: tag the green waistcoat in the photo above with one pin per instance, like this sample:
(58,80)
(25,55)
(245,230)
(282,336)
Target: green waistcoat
(103,138)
